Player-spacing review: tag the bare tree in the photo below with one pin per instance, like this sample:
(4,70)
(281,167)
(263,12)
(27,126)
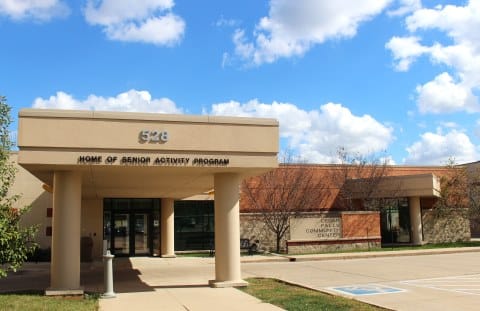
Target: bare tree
(455,192)
(473,176)
(362,182)
(279,195)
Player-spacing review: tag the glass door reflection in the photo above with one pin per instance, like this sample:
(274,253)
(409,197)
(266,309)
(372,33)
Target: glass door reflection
(121,241)
(141,234)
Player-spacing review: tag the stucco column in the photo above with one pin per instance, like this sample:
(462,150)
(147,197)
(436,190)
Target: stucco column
(65,264)
(167,248)
(415,220)
(227,231)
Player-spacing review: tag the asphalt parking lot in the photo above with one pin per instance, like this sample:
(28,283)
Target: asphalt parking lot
(422,282)
(448,281)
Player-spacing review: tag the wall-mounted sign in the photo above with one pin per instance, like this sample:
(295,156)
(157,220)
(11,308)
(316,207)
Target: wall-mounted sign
(163,160)
(321,228)
(153,136)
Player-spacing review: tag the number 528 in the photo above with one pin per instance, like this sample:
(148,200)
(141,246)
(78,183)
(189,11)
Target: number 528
(154,136)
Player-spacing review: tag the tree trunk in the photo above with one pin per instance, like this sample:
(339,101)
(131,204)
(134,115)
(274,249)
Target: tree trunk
(279,238)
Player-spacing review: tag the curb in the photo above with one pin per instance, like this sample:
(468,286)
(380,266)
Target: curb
(346,256)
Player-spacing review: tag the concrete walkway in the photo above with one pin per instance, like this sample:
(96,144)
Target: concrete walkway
(174,284)
(147,283)
(447,279)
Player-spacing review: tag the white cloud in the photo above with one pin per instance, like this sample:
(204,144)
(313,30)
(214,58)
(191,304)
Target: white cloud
(405,51)
(443,95)
(448,124)
(224,22)
(148,21)
(437,148)
(116,11)
(405,7)
(461,25)
(42,10)
(317,134)
(293,27)
(131,101)
(388,160)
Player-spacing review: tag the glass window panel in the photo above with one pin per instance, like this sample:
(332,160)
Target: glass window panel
(194,225)
(141,234)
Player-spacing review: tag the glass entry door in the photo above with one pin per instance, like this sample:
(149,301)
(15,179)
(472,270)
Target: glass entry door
(395,222)
(131,226)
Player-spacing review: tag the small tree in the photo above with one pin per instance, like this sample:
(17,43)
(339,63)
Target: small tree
(16,242)
(282,194)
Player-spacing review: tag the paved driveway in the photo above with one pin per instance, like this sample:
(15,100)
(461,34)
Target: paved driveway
(423,282)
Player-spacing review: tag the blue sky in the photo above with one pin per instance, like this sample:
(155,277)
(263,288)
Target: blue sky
(397,79)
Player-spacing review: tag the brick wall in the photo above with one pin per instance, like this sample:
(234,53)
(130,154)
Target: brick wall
(360,224)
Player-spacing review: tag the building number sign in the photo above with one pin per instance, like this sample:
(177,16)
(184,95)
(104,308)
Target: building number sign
(153,136)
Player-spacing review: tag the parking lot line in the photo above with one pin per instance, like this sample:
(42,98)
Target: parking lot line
(466,284)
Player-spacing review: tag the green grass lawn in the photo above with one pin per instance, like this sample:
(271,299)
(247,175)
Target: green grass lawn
(436,245)
(292,298)
(36,301)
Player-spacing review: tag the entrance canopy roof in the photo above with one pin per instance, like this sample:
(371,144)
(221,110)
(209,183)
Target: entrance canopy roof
(144,155)
(419,185)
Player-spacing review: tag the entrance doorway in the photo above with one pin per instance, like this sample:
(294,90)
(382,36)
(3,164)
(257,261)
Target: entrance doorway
(395,222)
(131,226)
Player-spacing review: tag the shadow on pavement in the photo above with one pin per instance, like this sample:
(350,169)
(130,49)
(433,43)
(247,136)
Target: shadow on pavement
(35,277)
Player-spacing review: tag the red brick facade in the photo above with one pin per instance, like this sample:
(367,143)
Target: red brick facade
(360,225)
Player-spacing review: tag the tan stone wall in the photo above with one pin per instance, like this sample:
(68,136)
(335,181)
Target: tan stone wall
(449,228)
(354,225)
(312,249)
(253,227)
